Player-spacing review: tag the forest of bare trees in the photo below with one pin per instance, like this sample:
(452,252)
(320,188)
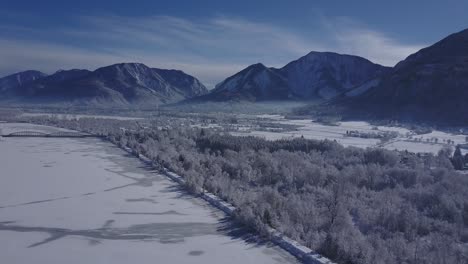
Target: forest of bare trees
(352,205)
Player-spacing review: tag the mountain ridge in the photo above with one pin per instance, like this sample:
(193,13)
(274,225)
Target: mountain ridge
(121,83)
(317,75)
(431,84)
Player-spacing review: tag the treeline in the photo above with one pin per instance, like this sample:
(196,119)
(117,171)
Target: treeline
(352,205)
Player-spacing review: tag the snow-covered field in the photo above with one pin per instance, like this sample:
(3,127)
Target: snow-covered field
(406,140)
(76,116)
(86,201)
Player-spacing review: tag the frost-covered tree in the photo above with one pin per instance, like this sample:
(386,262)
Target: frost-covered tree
(458,160)
(352,205)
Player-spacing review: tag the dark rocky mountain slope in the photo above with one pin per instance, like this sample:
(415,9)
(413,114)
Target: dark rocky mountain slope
(431,84)
(10,82)
(125,83)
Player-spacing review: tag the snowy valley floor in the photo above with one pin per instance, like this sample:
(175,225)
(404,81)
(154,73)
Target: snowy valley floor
(406,139)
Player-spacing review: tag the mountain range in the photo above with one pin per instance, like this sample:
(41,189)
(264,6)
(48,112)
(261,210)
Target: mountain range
(318,75)
(118,84)
(429,84)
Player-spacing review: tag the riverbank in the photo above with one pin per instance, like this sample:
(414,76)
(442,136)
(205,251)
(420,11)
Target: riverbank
(87,201)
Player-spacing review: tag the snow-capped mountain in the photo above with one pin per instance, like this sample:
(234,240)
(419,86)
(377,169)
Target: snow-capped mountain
(326,74)
(256,82)
(318,75)
(137,82)
(13,81)
(124,83)
(430,84)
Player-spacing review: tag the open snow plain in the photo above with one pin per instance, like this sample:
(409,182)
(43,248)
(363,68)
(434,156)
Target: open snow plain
(66,200)
(406,139)
(78,116)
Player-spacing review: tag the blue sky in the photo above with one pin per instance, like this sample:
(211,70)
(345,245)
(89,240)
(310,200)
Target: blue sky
(214,39)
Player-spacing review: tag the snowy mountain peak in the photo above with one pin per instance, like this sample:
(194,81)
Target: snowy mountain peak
(254,83)
(326,74)
(315,75)
(123,83)
(258,65)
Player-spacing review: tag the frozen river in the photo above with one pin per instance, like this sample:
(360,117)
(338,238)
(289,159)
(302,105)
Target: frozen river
(86,201)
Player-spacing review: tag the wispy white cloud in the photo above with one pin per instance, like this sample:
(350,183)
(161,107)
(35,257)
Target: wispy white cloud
(220,37)
(211,49)
(353,38)
(18,55)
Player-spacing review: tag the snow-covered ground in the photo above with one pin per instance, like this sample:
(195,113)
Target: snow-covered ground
(86,201)
(76,116)
(406,140)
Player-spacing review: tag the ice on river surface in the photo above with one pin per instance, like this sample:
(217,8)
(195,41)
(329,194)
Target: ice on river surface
(86,201)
